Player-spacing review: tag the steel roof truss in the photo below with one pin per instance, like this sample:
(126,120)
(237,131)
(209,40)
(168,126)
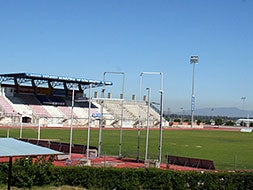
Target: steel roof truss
(56,83)
(40,82)
(23,80)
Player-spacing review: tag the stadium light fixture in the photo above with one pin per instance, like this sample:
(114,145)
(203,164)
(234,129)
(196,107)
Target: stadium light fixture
(194,59)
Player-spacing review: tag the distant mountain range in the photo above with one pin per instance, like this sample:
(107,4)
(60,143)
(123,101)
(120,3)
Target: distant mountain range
(222,111)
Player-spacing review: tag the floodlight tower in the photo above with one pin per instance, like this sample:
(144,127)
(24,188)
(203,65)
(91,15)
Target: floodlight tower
(243,101)
(194,59)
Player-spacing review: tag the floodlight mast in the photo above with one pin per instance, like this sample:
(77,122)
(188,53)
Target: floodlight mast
(194,59)
(243,114)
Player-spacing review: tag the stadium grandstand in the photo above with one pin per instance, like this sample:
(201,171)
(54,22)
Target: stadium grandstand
(46,100)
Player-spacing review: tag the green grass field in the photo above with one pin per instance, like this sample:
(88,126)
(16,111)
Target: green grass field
(228,149)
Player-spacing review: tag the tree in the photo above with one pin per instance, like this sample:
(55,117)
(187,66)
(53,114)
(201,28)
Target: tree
(218,121)
(208,122)
(177,120)
(230,123)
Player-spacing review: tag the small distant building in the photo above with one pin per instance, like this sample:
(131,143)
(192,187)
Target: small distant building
(246,122)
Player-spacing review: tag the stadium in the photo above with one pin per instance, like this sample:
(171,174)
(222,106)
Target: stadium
(50,101)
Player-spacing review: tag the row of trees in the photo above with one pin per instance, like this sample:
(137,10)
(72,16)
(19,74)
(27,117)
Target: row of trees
(208,120)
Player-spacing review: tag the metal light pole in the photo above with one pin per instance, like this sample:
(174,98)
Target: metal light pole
(182,115)
(212,117)
(161,113)
(147,129)
(193,60)
(71,122)
(101,119)
(89,123)
(243,101)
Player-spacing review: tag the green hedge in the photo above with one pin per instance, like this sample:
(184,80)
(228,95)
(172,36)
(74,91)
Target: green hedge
(27,173)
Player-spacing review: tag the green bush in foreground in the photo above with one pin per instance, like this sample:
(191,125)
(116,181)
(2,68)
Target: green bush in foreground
(28,173)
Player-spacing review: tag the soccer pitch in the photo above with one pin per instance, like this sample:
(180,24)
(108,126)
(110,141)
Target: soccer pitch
(228,149)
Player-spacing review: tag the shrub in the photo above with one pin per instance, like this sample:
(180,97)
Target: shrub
(28,172)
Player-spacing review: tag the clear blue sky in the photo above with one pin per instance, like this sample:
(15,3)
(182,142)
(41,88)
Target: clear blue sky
(84,39)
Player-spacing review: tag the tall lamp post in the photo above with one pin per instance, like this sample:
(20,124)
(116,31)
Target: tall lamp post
(193,60)
(182,113)
(243,101)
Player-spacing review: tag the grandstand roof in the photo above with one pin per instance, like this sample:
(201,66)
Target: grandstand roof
(54,80)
